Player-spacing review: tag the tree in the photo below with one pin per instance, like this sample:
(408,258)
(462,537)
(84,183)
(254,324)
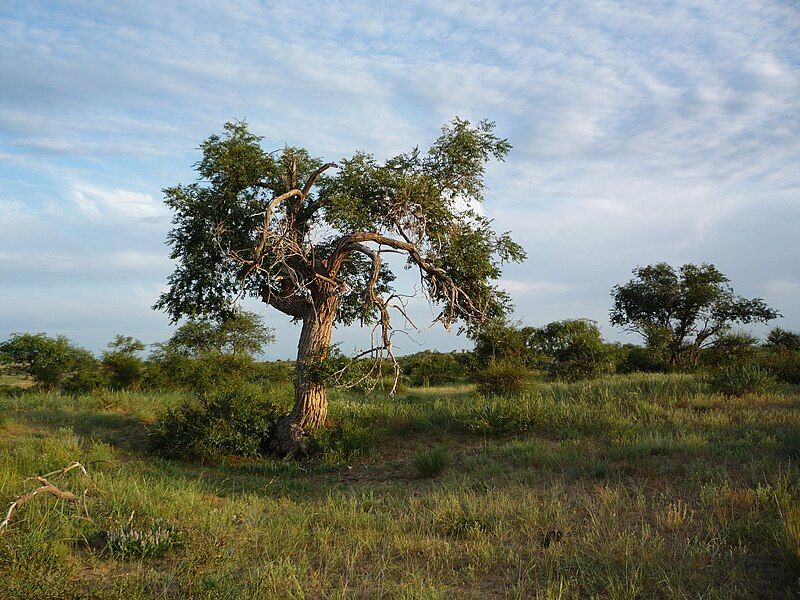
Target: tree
(123,363)
(310,243)
(783,340)
(679,313)
(239,333)
(48,360)
(572,349)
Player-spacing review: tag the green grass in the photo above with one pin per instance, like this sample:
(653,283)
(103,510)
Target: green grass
(639,486)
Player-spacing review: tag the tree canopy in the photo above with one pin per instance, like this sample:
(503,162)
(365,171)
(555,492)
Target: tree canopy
(309,237)
(680,312)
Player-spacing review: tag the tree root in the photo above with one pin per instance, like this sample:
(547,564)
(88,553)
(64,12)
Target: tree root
(287,440)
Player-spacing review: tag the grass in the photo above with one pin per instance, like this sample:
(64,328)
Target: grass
(637,486)
(430,463)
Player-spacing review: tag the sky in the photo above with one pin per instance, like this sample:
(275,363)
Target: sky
(642,132)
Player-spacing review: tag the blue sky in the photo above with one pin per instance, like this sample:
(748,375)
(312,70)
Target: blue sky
(642,132)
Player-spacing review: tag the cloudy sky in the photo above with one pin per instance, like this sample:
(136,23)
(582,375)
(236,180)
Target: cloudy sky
(642,132)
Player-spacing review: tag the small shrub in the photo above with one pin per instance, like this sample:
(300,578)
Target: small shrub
(343,440)
(152,542)
(224,422)
(431,462)
(496,417)
(503,378)
(743,379)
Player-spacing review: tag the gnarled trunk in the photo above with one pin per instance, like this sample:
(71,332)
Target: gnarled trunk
(310,396)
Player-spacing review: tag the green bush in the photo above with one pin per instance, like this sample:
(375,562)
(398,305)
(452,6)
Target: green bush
(571,350)
(785,365)
(636,359)
(431,462)
(744,379)
(49,360)
(175,371)
(435,368)
(85,380)
(504,378)
(233,420)
(343,440)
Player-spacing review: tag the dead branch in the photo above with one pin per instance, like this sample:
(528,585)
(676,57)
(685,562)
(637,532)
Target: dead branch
(45,487)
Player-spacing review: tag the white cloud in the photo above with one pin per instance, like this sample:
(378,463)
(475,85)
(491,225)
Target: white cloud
(99,202)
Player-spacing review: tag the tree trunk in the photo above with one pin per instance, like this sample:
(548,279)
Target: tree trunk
(310,395)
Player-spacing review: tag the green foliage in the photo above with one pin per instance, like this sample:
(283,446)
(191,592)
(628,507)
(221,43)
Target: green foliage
(342,440)
(223,422)
(785,365)
(499,341)
(169,370)
(124,367)
(85,379)
(636,359)
(731,348)
(502,378)
(783,340)
(239,333)
(47,359)
(681,312)
(430,463)
(740,380)
(424,197)
(431,368)
(571,350)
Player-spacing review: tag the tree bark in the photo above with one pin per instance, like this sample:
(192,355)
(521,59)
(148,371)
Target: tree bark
(310,395)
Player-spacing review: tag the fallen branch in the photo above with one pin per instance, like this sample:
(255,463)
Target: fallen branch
(45,488)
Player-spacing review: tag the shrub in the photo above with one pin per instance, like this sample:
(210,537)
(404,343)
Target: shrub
(434,368)
(636,359)
(784,365)
(503,378)
(85,380)
(431,462)
(572,350)
(169,370)
(743,379)
(343,440)
(781,339)
(152,542)
(233,420)
(47,359)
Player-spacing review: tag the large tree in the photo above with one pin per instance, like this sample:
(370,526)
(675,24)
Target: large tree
(308,238)
(681,312)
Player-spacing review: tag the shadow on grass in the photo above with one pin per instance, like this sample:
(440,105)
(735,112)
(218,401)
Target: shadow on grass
(123,431)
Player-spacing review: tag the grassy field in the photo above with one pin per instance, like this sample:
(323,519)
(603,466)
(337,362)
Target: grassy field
(631,487)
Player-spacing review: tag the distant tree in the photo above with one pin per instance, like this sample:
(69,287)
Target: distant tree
(239,333)
(681,312)
(572,349)
(48,360)
(122,362)
(783,340)
(280,227)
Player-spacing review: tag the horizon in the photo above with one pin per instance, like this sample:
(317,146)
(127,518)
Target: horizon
(639,135)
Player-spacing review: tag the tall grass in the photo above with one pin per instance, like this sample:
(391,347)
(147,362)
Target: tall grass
(642,486)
